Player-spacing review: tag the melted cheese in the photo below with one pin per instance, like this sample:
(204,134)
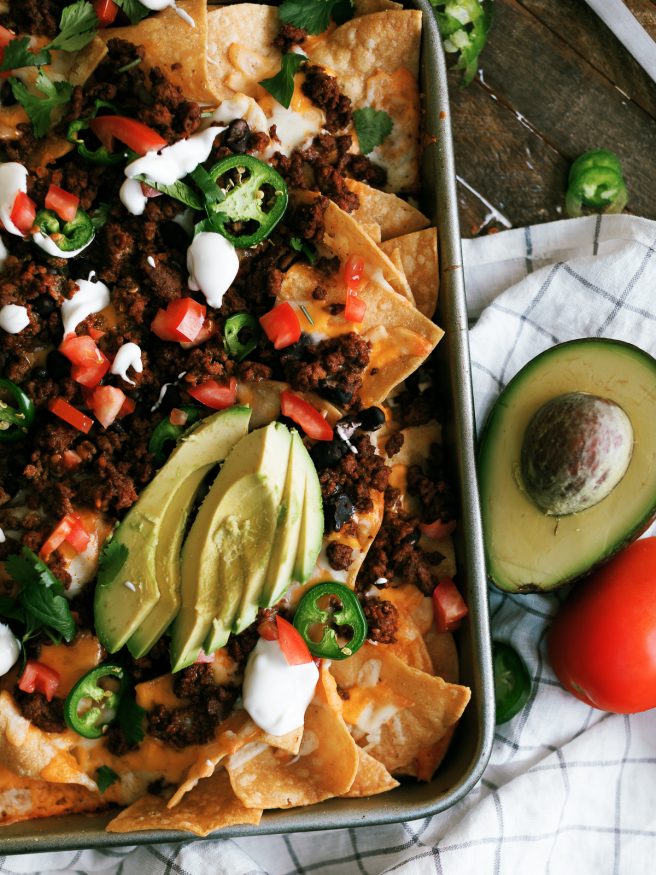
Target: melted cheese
(158,691)
(72,661)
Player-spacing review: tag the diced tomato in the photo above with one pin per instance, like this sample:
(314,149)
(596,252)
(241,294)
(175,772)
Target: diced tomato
(129,406)
(204,334)
(438,529)
(61,408)
(69,528)
(449,607)
(267,628)
(96,333)
(62,202)
(23,212)
(136,136)
(177,417)
(292,643)
(106,11)
(182,320)
(39,678)
(162,328)
(355,307)
(71,460)
(78,537)
(82,350)
(304,414)
(281,325)
(218,396)
(106,403)
(354,273)
(90,375)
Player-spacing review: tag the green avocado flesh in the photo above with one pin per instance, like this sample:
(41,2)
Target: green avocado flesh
(527,550)
(137,604)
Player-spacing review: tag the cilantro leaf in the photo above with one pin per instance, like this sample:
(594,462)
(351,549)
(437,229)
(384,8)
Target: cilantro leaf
(306,248)
(134,10)
(281,86)
(100,216)
(10,609)
(40,109)
(77,27)
(105,777)
(179,191)
(130,718)
(372,126)
(314,15)
(112,559)
(41,596)
(17,55)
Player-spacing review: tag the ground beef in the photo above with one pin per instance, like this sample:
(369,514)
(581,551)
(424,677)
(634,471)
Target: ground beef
(240,646)
(289,36)
(48,716)
(38,17)
(394,444)
(116,742)
(343,693)
(339,555)
(434,490)
(323,90)
(154,664)
(362,168)
(320,167)
(333,367)
(195,723)
(382,619)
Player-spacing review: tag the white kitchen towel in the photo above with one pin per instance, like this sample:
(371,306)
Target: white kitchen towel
(568,789)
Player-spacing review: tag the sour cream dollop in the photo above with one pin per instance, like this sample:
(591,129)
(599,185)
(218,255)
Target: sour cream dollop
(212,263)
(13,318)
(13,178)
(91,298)
(48,245)
(173,162)
(128,356)
(9,649)
(276,694)
(132,197)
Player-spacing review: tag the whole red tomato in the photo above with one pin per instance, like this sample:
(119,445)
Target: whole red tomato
(602,644)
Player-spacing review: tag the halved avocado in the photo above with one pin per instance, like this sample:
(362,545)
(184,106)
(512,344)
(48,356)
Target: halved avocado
(527,550)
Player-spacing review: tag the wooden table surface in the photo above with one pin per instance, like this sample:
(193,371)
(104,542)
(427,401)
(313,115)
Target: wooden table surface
(553,82)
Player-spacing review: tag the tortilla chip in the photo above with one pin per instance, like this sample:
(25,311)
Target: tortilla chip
(373,230)
(417,440)
(26,799)
(371,778)
(240,48)
(396,711)
(325,766)
(409,646)
(395,216)
(418,254)
(210,806)
(444,655)
(178,49)
(366,7)
(428,759)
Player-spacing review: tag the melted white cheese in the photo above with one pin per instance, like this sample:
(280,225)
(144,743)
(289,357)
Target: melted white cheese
(91,298)
(293,128)
(128,356)
(242,106)
(9,649)
(48,245)
(13,178)
(132,197)
(13,318)
(173,162)
(276,694)
(212,263)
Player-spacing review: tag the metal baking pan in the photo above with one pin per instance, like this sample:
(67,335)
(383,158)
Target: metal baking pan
(470,750)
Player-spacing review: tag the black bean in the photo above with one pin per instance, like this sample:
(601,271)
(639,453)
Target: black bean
(44,305)
(326,454)
(236,137)
(371,418)
(338,510)
(337,396)
(57,365)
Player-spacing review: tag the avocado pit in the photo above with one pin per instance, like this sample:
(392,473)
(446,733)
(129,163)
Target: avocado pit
(576,449)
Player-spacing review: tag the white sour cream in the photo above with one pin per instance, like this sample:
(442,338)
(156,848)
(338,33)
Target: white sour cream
(173,162)
(276,695)
(3,254)
(132,197)
(13,178)
(158,5)
(48,245)
(91,298)
(13,318)
(242,106)
(212,263)
(128,356)
(9,649)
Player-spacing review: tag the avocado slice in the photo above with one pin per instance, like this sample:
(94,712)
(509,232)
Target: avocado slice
(526,549)
(310,538)
(231,536)
(151,533)
(285,544)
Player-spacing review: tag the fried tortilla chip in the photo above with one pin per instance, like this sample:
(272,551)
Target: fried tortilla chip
(418,255)
(26,799)
(395,216)
(428,759)
(409,646)
(210,806)
(176,47)
(326,764)
(366,7)
(444,655)
(371,778)
(396,711)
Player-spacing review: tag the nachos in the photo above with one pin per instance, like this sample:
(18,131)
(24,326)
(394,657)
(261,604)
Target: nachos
(226,568)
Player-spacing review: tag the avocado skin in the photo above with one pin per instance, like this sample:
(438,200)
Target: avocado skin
(155,521)
(526,550)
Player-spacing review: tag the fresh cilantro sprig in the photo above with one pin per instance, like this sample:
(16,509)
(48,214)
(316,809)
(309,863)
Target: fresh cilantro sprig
(105,777)
(314,16)
(40,109)
(134,10)
(77,27)
(41,605)
(130,718)
(372,126)
(100,216)
(281,86)
(17,54)
(112,559)
(306,248)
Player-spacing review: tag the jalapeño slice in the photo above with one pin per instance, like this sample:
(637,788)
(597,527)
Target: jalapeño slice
(14,421)
(68,236)
(165,432)
(512,682)
(236,346)
(321,609)
(93,702)
(251,200)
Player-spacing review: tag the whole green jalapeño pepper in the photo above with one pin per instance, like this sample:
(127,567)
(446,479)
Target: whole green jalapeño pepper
(596,184)
(248,193)
(512,682)
(93,702)
(70,236)
(166,432)
(14,421)
(327,605)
